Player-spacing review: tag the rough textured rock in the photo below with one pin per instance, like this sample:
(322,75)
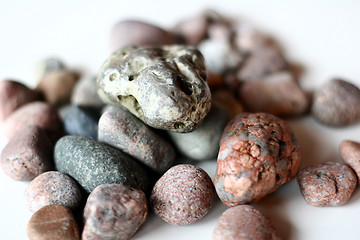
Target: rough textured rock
(114,211)
(337,103)
(183,195)
(52,188)
(258,153)
(57,86)
(327,184)
(276,93)
(244,222)
(138,33)
(165,87)
(350,154)
(203,143)
(46,66)
(13,95)
(85,93)
(27,154)
(53,222)
(120,129)
(39,114)
(92,163)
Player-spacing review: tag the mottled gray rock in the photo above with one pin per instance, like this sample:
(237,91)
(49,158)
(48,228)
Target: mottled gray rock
(165,87)
(92,163)
(120,129)
(203,143)
(337,103)
(114,211)
(52,188)
(46,66)
(85,93)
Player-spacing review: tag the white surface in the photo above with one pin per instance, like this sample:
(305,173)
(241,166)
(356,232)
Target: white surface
(323,36)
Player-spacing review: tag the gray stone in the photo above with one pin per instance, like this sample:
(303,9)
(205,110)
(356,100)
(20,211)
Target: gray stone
(85,93)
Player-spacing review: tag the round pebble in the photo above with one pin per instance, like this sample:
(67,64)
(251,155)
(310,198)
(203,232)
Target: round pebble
(114,211)
(52,188)
(46,66)
(327,184)
(244,222)
(258,153)
(53,222)
(183,195)
(85,93)
(226,100)
(350,154)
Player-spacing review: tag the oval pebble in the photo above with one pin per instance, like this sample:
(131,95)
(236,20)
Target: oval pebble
(120,129)
(327,184)
(183,195)
(27,154)
(350,154)
(52,188)
(85,93)
(244,222)
(114,211)
(258,153)
(92,163)
(53,222)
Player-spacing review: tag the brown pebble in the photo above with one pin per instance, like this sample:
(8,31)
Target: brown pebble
(13,95)
(39,114)
(350,154)
(226,100)
(244,222)
(53,222)
(327,184)
(114,212)
(57,86)
(27,154)
(183,195)
(52,188)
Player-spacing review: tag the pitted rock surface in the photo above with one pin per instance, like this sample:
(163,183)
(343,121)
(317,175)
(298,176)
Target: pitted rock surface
(258,153)
(165,87)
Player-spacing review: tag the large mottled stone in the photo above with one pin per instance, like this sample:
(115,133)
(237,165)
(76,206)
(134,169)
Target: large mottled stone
(120,129)
(92,163)
(165,87)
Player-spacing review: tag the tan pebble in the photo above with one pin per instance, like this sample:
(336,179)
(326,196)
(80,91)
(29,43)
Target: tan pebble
(225,99)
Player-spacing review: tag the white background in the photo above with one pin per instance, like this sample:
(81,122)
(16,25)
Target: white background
(324,36)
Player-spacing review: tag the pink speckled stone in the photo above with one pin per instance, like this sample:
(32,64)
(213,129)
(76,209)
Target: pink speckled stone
(183,195)
(350,154)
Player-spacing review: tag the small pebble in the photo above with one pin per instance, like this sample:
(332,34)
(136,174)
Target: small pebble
(258,153)
(114,211)
(40,114)
(327,184)
(92,163)
(52,188)
(27,154)
(203,143)
(183,195)
(350,154)
(46,66)
(337,103)
(193,30)
(120,129)
(244,222)
(53,222)
(14,95)
(226,100)
(85,93)
(57,86)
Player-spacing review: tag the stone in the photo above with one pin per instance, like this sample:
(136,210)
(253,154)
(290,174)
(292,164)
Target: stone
(13,95)
(85,93)
(92,163)
(337,103)
(244,222)
(327,184)
(57,86)
(203,143)
(193,30)
(258,153)
(53,222)
(36,113)
(350,154)
(223,98)
(120,129)
(139,33)
(183,195)
(114,211)
(47,65)
(81,120)
(277,93)
(52,188)
(27,154)
(165,87)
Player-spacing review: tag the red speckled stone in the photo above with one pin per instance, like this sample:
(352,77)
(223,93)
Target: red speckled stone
(258,153)
(183,195)
(350,154)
